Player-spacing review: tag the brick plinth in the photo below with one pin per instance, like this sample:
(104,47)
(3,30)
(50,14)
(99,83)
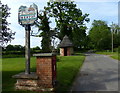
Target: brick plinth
(45,77)
(46,69)
(27,81)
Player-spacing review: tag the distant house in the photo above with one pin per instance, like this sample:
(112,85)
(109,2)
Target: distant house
(66,47)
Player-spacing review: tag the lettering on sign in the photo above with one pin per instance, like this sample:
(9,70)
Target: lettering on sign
(27,15)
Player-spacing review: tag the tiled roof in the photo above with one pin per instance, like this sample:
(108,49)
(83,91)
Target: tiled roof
(66,42)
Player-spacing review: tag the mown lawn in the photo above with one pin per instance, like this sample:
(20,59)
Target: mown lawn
(114,55)
(10,67)
(67,68)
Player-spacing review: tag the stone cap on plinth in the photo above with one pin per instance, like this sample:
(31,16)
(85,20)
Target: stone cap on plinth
(22,75)
(44,54)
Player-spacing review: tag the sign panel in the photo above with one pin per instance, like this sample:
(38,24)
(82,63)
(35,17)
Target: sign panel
(27,15)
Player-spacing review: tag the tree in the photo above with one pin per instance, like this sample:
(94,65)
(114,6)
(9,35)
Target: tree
(18,48)
(9,48)
(69,21)
(100,35)
(36,48)
(115,30)
(45,34)
(118,36)
(15,48)
(79,37)
(5,32)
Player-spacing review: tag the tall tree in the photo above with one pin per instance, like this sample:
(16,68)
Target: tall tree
(100,35)
(5,32)
(115,30)
(69,21)
(45,31)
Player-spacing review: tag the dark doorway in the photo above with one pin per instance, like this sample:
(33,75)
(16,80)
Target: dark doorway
(65,51)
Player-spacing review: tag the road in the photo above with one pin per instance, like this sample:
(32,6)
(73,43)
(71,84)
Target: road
(98,73)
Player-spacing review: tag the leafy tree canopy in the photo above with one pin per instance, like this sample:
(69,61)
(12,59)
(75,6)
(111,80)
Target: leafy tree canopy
(45,28)
(115,30)
(100,34)
(69,20)
(5,32)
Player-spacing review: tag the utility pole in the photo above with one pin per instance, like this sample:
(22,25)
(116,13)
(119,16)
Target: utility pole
(112,41)
(112,29)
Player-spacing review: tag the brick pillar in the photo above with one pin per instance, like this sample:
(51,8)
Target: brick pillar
(46,69)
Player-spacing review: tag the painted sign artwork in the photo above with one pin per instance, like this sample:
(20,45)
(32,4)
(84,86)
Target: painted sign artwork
(27,15)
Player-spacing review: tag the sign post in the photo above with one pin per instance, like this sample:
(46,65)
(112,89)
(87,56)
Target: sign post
(44,78)
(27,17)
(27,49)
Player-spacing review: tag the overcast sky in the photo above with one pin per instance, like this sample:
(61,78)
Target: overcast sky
(106,10)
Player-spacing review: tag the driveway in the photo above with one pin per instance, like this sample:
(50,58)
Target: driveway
(98,73)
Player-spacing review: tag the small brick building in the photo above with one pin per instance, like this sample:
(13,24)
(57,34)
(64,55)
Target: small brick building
(66,47)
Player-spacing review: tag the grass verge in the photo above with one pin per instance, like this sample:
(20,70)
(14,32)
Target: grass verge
(10,67)
(67,69)
(114,55)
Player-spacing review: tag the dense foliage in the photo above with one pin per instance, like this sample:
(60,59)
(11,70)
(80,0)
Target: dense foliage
(69,20)
(100,35)
(12,51)
(115,30)
(45,34)
(5,32)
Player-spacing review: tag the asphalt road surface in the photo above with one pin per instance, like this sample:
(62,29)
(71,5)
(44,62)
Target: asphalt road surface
(99,73)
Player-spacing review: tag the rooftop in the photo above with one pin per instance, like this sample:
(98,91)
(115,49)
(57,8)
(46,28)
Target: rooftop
(66,42)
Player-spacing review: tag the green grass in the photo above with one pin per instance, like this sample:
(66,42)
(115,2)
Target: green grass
(10,67)
(67,69)
(114,55)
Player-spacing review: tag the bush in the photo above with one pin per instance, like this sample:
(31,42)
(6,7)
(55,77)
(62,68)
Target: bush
(13,54)
(115,49)
(12,51)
